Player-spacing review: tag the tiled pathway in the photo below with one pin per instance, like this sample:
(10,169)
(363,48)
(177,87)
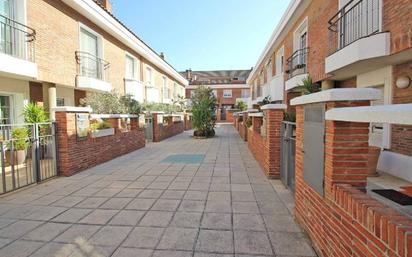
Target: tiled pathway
(140,205)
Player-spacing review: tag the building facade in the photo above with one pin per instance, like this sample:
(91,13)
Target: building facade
(54,52)
(343,44)
(229,86)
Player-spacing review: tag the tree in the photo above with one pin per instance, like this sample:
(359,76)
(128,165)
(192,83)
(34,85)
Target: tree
(204,105)
(241,105)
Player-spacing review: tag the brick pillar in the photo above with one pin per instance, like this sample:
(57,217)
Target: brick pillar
(346,150)
(156,131)
(134,123)
(346,143)
(115,123)
(274,118)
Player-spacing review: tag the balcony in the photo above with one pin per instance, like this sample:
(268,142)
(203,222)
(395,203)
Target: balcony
(93,73)
(135,89)
(17,55)
(355,37)
(297,68)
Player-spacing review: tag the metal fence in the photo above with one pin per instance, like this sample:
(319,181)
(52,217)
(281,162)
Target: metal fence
(287,169)
(356,20)
(92,66)
(297,62)
(28,154)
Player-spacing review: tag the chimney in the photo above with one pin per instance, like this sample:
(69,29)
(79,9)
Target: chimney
(162,55)
(106,4)
(189,74)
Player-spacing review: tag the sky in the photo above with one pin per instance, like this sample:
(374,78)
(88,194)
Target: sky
(203,34)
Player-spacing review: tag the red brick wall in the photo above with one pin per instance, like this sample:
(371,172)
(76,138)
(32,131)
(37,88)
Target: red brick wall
(397,18)
(187,122)
(167,129)
(266,150)
(229,115)
(402,135)
(75,155)
(347,222)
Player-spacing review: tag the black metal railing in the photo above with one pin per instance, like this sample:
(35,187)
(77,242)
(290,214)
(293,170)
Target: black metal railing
(17,39)
(92,66)
(356,20)
(297,63)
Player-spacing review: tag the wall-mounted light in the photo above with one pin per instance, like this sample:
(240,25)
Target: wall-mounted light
(403,82)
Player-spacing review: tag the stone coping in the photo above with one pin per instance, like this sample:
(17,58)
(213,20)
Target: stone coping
(273,106)
(256,114)
(72,109)
(112,116)
(338,94)
(252,110)
(392,114)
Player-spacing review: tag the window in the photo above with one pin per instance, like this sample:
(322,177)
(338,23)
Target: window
(269,69)
(175,93)
(90,65)
(279,61)
(149,76)
(131,65)
(60,101)
(5,109)
(227,93)
(165,89)
(245,93)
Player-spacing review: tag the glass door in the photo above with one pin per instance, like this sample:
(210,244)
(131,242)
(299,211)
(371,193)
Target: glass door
(89,47)
(5,110)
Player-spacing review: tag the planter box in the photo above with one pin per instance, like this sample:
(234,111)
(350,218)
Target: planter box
(102,133)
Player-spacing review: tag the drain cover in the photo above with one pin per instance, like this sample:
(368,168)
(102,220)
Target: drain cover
(185,158)
(395,196)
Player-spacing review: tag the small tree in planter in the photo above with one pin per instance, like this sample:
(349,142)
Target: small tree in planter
(16,152)
(204,112)
(308,87)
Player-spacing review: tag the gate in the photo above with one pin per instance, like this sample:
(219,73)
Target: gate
(287,165)
(149,128)
(314,146)
(28,154)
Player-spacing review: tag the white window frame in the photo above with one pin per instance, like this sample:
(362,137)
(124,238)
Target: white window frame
(100,45)
(280,61)
(165,88)
(135,75)
(226,93)
(149,77)
(303,28)
(269,67)
(175,93)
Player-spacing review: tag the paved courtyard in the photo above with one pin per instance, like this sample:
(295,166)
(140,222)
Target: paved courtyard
(178,198)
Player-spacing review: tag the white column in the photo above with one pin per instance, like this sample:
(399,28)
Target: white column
(52,101)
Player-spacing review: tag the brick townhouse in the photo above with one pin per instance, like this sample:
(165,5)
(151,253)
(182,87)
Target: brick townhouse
(228,86)
(55,52)
(345,44)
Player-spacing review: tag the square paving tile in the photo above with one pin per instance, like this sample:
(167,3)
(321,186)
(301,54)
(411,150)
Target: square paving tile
(140,204)
(197,254)
(144,237)
(220,221)
(173,194)
(192,206)
(127,218)
(243,197)
(115,203)
(20,248)
(279,223)
(248,222)
(19,228)
(184,158)
(218,206)
(46,232)
(54,250)
(196,195)
(110,236)
(132,252)
(129,192)
(167,253)
(150,193)
(77,232)
(178,239)
(92,202)
(99,217)
(156,219)
(68,201)
(72,215)
(249,242)
(165,205)
(291,244)
(186,219)
(245,207)
(215,241)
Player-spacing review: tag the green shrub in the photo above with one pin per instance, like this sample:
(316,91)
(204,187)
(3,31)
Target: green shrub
(289,116)
(241,105)
(100,125)
(19,137)
(111,103)
(204,105)
(308,87)
(34,113)
(249,122)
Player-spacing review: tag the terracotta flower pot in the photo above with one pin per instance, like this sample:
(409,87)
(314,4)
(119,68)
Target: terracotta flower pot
(373,158)
(19,157)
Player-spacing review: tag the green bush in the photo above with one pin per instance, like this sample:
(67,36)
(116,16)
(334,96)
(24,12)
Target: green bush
(33,113)
(161,107)
(100,125)
(241,105)
(204,105)
(111,103)
(249,122)
(19,137)
(308,87)
(289,116)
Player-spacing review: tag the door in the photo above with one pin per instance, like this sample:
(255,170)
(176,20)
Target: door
(89,46)
(314,146)
(5,109)
(149,128)
(223,113)
(6,12)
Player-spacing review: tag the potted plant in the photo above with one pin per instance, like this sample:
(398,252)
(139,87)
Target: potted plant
(16,148)
(101,129)
(308,87)
(204,112)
